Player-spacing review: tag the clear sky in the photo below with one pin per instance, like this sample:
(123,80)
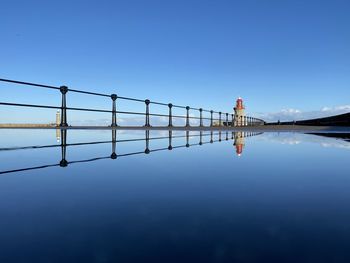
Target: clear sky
(278,55)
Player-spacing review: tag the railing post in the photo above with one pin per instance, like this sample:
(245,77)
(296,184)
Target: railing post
(187,116)
(64,90)
(232,124)
(200,117)
(187,139)
(114,110)
(200,138)
(220,136)
(114,144)
(211,118)
(211,137)
(170,147)
(147,124)
(63,162)
(170,115)
(227,119)
(220,118)
(147,150)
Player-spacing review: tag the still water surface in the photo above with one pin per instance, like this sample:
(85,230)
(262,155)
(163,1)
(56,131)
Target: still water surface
(224,198)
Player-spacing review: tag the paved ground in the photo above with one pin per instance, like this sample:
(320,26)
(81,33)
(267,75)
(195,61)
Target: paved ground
(264,128)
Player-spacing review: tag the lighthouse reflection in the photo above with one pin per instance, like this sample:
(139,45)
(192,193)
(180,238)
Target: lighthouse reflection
(166,140)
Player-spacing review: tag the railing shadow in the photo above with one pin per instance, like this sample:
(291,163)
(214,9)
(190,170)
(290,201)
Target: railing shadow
(237,137)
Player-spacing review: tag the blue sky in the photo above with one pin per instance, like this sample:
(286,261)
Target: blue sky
(280,56)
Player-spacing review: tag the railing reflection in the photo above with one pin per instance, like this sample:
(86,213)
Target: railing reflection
(61,136)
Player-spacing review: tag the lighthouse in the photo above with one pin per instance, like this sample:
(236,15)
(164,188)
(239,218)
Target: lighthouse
(239,142)
(239,113)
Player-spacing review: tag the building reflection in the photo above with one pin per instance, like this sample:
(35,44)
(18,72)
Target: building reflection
(189,139)
(58,135)
(239,143)
(239,140)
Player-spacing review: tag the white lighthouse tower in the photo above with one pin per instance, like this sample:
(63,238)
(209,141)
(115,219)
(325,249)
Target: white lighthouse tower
(239,113)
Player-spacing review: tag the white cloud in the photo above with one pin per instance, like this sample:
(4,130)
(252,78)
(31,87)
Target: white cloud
(299,138)
(297,114)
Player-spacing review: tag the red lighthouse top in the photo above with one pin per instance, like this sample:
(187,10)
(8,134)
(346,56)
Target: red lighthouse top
(239,104)
(239,149)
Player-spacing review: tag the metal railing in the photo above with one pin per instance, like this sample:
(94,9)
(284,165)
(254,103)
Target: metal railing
(63,146)
(224,119)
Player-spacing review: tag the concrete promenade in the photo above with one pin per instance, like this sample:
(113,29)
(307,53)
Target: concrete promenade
(261,128)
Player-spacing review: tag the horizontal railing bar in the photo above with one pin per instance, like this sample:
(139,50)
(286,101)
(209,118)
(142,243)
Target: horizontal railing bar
(89,93)
(86,109)
(97,110)
(98,158)
(179,106)
(129,154)
(64,89)
(29,105)
(159,149)
(179,146)
(108,157)
(52,146)
(29,83)
(90,160)
(158,103)
(96,94)
(28,169)
(126,98)
(103,142)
